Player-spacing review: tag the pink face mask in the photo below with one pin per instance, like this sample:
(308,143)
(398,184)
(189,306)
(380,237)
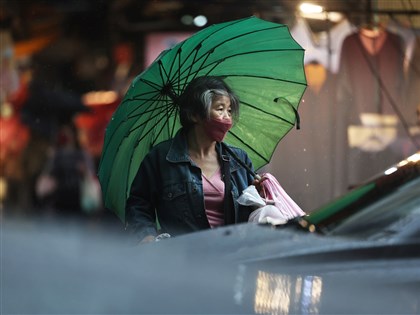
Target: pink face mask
(217,128)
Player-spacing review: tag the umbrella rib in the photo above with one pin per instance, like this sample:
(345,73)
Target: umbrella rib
(152,84)
(145,122)
(181,75)
(202,63)
(248,146)
(267,113)
(130,117)
(178,70)
(105,149)
(152,109)
(164,125)
(150,130)
(179,67)
(199,45)
(166,76)
(153,100)
(196,49)
(242,35)
(143,97)
(158,88)
(134,113)
(214,66)
(162,71)
(265,77)
(215,63)
(206,54)
(200,68)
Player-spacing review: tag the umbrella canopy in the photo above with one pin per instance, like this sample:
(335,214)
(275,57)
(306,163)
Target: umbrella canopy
(258,59)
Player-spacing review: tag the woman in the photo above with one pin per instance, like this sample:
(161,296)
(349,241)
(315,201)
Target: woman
(181,182)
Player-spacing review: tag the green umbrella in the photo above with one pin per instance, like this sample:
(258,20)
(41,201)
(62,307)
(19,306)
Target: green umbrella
(259,60)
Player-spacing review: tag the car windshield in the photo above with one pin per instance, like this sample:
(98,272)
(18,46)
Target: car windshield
(396,215)
(388,206)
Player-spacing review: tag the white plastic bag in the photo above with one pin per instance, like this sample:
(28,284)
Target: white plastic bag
(268,214)
(263,213)
(251,197)
(276,208)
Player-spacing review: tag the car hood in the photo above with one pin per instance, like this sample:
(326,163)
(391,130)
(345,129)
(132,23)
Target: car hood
(237,269)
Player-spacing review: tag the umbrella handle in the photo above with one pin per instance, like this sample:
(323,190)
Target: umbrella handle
(294,110)
(249,170)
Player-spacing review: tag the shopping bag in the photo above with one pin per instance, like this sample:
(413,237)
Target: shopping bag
(264,213)
(91,196)
(272,204)
(272,191)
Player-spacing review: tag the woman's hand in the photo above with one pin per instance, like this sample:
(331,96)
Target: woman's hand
(258,180)
(147,239)
(151,238)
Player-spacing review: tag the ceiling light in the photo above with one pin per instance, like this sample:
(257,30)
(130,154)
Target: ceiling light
(200,20)
(310,8)
(317,12)
(187,19)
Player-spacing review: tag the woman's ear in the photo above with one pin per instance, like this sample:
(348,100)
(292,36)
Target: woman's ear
(195,119)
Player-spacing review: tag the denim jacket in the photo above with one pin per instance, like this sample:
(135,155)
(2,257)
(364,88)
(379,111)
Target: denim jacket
(168,188)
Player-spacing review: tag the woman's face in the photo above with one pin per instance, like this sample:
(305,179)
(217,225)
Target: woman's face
(220,119)
(220,108)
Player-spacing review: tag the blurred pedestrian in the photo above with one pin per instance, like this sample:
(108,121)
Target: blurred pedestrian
(60,185)
(43,112)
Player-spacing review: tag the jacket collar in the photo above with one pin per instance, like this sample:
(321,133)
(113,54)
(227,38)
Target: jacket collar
(178,151)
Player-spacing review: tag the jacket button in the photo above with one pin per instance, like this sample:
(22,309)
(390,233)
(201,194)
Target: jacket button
(194,189)
(169,195)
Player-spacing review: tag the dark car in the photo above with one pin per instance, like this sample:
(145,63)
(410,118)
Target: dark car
(385,207)
(359,254)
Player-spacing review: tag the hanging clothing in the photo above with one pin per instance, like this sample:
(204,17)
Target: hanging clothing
(322,47)
(412,92)
(409,145)
(409,37)
(369,87)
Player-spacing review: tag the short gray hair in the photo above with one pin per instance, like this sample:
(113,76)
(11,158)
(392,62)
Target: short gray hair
(198,97)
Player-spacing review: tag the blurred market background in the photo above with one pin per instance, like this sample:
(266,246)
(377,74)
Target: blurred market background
(66,64)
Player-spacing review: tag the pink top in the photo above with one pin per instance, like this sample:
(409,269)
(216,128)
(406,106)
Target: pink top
(214,190)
